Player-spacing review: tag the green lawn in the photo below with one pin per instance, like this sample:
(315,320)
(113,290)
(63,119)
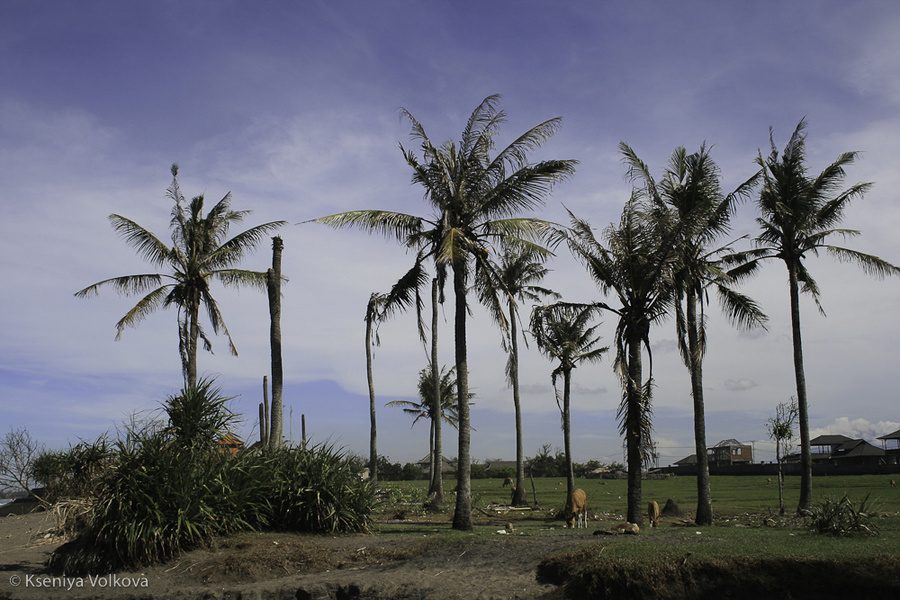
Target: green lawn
(747,553)
(732,496)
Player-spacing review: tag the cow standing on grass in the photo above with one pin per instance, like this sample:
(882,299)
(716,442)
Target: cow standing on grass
(653,513)
(575,512)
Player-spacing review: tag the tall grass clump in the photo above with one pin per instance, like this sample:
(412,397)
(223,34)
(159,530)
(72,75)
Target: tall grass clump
(173,488)
(842,517)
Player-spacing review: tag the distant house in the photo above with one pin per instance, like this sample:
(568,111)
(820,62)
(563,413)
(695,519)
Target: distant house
(840,449)
(730,452)
(230,443)
(725,453)
(824,447)
(425,464)
(890,443)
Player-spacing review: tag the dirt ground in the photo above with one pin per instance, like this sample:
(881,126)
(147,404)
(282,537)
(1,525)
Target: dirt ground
(416,564)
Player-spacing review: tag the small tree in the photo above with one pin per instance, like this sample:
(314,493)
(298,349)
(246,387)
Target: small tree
(781,429)
(17,453)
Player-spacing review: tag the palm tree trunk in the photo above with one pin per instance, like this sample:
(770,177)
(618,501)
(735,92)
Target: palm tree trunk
(462,515)
(633,434)
(567,433)
(193,335)
(802,406)
(273,277)
(436,493)
(519,495)
(704,501)
(373,432)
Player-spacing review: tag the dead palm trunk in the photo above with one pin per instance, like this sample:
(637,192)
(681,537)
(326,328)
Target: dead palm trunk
(273,284)
(704,502)
(802,406)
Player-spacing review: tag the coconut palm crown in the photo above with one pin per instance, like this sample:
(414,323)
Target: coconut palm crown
(798,215)
(700,214)
(200,252)
(475,198)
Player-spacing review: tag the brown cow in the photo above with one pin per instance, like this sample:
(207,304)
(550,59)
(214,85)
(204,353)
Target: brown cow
(507,482)
(893,483)
(653,512)
(576,510)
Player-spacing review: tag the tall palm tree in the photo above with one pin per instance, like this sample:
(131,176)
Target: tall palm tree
(700,215)
(514,279)
(797,216)
(373,307)
(636,266)
(449,412)
(562,333)
(475,198)
(200,252)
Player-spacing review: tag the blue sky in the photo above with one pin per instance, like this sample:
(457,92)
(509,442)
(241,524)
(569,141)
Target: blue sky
(293,107)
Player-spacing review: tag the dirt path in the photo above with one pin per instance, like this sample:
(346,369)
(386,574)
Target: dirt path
(416,564)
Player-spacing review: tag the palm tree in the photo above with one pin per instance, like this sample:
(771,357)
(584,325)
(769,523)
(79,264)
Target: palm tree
(636,266)
(700,215)
(474,197)
(373,306)
(514,278)
(562,333)
(200,252)
(797,215)
(449,412)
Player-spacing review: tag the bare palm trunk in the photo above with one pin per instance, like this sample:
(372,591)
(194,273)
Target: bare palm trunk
(436,491)
(373,432)
(704,501)
(567,433)
(802,406)
(273,279)
(462,515)
(633,433)
(193,335)
(519,495)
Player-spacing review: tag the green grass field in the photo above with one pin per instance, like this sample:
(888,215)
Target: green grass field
(732,496)
(749,552)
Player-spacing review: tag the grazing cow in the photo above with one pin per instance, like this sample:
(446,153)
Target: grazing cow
(768,481)
(507,482)
(576,510)
(893,483)
(653,512)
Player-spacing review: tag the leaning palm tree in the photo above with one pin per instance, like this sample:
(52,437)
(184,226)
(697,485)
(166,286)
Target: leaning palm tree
(475,198)
(797,215)
(563,333)
(514,279)
(700,215)
(636,266)
(424,409)
(200,252)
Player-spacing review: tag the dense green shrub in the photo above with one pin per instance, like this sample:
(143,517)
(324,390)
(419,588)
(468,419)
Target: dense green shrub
(72,473)
(169,492)
(842,517)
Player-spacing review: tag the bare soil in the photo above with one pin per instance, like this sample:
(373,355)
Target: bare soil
(415,563)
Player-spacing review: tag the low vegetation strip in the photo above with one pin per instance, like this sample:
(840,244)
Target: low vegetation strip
(586,573)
